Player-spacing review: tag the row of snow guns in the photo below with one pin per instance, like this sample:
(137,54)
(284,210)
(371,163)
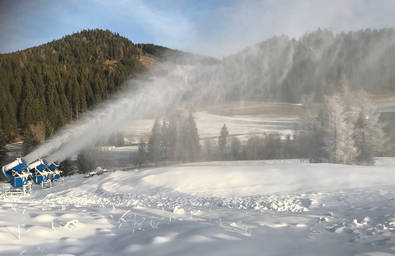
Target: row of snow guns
(20,174)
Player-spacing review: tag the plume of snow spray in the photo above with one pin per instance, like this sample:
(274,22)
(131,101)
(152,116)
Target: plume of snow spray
(153,96)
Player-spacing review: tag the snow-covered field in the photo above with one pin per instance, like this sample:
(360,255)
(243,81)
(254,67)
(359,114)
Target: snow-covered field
(285,207)
(242,119)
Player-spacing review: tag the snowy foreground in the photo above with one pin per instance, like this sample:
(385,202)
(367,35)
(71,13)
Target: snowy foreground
(220,208)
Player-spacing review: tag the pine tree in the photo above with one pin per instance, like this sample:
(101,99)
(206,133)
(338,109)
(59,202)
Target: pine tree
(193,144)
(209,151)
(235,148)
(30,141)
(3,152)
(141,157)
(254,148)
(272,147)
(172,134)
(222,140)
(368,130)
(188,145)
(154,143)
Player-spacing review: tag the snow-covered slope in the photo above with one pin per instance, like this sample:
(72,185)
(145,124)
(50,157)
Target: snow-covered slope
(221,208)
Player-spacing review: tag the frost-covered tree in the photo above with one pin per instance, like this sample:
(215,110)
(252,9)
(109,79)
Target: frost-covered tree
(369,135)
(339,142)
(346,129)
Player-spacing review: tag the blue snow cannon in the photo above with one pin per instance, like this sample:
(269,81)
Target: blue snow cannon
(55,171)
(18,173)
(40,172)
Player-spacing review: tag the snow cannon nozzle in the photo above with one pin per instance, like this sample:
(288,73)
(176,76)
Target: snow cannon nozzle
(16,167)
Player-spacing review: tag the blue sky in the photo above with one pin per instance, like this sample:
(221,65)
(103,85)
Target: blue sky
(211,27)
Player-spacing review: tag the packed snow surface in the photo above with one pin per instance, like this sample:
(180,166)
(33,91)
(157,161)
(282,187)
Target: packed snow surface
(284,207)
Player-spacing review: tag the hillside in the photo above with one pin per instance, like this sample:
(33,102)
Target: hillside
(45,87)
(283,69)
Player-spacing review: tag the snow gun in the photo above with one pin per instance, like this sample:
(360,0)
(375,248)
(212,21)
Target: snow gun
(43,173)
(19,175)
(22,175)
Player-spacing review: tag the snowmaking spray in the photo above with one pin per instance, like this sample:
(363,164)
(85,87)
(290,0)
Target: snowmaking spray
(152,95)
(174,85)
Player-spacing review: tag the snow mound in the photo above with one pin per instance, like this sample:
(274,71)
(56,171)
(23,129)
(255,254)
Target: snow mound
(219,208)
(259,178)
(43,218)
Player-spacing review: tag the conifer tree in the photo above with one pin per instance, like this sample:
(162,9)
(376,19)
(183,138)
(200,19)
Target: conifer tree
(368,134)
(235,148)
(254,148)
(141,157)
(3,152)
(154,143)
(223,140)
(188,145)
(193,144)
(30,141)
(209,150)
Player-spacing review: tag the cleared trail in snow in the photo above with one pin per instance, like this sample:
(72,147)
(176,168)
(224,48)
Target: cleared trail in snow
(220,208)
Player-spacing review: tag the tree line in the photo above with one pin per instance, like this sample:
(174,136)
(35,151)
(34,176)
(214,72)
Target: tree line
(345,129)
(175,138)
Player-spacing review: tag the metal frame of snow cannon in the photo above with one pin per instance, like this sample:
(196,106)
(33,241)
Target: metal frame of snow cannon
(56,173)
(41,174)
(19,175)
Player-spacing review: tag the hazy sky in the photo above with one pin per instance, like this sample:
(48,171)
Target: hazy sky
(211,27)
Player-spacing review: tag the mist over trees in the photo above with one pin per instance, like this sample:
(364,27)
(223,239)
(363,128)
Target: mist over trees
(45,87)
(175,138)
(285,69)
(344,129)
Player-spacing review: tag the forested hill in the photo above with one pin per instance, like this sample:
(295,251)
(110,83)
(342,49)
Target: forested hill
(282,68)
(44,87)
